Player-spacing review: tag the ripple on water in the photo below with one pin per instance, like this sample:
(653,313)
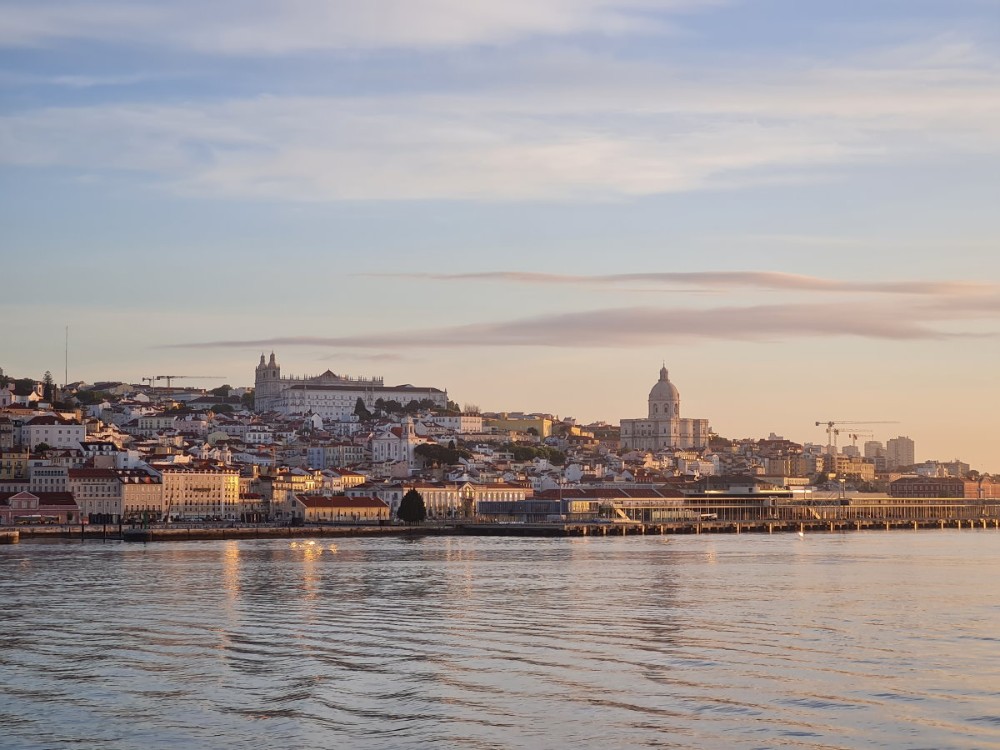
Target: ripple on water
(857,641)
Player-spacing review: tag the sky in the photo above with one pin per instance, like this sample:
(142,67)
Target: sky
(531,204)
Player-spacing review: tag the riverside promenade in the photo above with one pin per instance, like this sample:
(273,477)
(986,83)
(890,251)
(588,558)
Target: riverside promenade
(833,519)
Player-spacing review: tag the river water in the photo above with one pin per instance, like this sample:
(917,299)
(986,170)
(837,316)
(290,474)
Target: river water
(857,640)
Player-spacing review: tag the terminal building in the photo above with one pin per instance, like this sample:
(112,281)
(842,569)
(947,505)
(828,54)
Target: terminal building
(664,427)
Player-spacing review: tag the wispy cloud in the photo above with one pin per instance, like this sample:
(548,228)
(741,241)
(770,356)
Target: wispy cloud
(645,326)
(553,124)
(712,280)
(281,27)
(79,81)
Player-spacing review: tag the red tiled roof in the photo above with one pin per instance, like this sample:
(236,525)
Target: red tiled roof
(45,499)
(340,501)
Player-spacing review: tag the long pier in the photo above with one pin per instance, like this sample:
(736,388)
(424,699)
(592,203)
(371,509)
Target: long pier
(719,527)
(176,533)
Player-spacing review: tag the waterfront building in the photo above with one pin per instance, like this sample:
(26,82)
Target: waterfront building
(334,508)
(969,489)
(199,491)
(98,492)
(391,493)
(329,395)
(142,493)
(463,500)
(38,507)
(663,426)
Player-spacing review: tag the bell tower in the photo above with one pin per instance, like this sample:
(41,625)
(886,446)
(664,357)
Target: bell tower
(267,384)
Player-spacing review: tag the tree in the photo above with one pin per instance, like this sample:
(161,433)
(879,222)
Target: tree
(48,387)
(222,409)
(222,391)
(24,386)
(43,448)
(361,411)
(412,508)
(436,454)
(89,398)
(247,400)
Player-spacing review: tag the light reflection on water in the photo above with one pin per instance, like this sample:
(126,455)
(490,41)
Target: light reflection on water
(833,641)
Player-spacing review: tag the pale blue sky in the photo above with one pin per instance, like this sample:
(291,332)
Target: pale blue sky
(253,172)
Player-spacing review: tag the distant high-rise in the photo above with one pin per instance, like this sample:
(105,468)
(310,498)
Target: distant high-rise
(875,452)
(899,452)
(874,449)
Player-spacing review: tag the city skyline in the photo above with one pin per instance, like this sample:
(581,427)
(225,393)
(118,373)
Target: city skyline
(533,206)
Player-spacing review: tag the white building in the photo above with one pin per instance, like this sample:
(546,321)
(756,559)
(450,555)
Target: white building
(331,396)
(458,423)
(664,427)
(53,431)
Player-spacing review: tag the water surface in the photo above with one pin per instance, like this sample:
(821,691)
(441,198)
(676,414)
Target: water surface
(858,640)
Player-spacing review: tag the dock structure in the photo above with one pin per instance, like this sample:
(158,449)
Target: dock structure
(718,527)
(718,515)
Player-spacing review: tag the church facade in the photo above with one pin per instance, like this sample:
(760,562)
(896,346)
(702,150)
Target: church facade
(664,427)
(329,395)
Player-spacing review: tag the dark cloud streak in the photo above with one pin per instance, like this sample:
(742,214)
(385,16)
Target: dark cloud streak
(715,280)
(641,326)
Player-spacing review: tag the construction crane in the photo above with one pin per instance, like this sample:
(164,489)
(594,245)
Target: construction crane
(149,380)
(168,378)
(832,431)
(864,433)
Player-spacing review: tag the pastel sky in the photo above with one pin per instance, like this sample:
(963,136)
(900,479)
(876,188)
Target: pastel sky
(529,203)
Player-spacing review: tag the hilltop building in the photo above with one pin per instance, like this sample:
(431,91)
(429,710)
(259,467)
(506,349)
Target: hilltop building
(664,427)
(329,395)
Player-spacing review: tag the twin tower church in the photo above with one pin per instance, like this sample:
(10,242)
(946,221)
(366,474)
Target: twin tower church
(333,396)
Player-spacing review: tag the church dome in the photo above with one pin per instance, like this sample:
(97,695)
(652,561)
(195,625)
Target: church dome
(664,390)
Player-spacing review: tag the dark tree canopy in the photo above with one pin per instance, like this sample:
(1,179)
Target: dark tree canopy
(361,411)
(48,387)
(439,454)
(88,398)
(222,391)
(412,508)
(528,452)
